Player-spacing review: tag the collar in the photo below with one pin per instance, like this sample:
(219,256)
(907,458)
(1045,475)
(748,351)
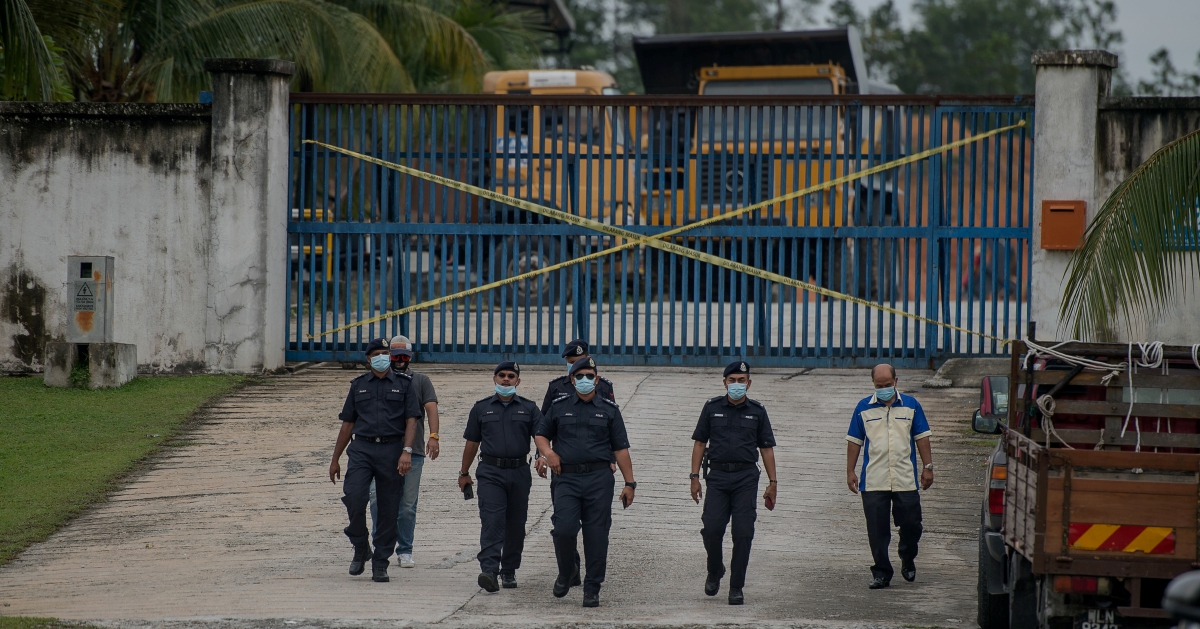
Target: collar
(730,403)
(499,400)
(899,401)
(389,375)
(579,400)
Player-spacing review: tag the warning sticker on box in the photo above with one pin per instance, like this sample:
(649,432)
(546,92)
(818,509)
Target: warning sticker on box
(85,298)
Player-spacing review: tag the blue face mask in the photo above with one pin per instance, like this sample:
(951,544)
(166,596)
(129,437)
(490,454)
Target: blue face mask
(885,394)
(381,362)
(737,390)
(503,391)
(585,385)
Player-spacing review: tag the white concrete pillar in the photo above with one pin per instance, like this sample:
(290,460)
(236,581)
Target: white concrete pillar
(247,257)
(1069,87)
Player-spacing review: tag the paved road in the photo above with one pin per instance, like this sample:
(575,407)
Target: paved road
(238,525)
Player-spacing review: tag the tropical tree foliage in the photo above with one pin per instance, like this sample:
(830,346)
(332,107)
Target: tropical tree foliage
(148,50)
(1143,248)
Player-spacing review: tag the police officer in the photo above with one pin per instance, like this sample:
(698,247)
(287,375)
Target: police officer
(381,415)
(563,385)
(732,426)
(499,429)
(587,432)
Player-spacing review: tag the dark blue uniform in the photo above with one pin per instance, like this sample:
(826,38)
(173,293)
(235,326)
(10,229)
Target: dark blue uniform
(564,385)
(584,435)
(378,408)
(504,432)
(734,433)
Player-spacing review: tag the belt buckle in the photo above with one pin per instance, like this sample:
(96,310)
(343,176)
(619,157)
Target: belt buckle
(378,440)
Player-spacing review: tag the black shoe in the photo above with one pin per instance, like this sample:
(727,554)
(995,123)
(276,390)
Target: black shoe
(508,581)
(591,599)
(561,587)
(712,585)
(735,596)
(379,575)
(359,563)
(878,583)
(487,581)
(909,572)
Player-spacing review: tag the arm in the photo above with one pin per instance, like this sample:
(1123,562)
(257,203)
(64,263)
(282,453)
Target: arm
(433,447)
(626,465)
(852,450)
(552,460)
(768,459)
(926,458)
(464,473)
(339,446)
(697,457)
(410,433)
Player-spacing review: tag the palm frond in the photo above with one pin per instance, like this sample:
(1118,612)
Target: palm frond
(29,72)
(1142,249)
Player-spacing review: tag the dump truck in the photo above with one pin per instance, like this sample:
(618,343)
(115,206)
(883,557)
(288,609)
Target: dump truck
(723,157)
(1092,494)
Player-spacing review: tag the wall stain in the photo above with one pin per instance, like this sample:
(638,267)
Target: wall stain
(23,302)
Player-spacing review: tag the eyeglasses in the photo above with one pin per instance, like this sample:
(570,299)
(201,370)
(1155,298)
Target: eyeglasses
(581,376)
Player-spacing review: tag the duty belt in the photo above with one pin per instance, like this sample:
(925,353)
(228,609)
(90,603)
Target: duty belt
(392,439)
(583,468)
(732,467)
(507,464)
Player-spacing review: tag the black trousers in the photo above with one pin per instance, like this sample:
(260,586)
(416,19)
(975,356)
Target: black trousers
(373,461)
(730,496)
(503,508)
(582,501)
(905,508)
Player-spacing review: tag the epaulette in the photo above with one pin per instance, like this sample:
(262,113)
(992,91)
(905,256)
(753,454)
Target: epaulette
(559,378)
(403,375)
(560,398)
(716,399)
(610,401)
(484,399)
(756,403)
(606,379)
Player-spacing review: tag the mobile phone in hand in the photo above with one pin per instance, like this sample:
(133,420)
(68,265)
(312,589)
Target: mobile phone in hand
(769,501)
(469,491)
(624,501)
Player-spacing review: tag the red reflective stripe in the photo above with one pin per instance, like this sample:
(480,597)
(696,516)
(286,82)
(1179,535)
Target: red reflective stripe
(1165,547)
(1077,531)
(1121,538)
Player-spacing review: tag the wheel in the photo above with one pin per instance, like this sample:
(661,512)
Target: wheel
(1022,594)
(993,608)
(534,290)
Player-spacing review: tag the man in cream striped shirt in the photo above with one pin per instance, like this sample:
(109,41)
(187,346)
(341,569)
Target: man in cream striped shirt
(893,429)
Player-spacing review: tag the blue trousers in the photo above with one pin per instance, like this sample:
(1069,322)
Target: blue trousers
(373,462)
(731,496)
(582,502)
(406,522)
(503,509)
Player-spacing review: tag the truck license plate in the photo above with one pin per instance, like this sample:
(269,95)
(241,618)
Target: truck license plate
(1098,619)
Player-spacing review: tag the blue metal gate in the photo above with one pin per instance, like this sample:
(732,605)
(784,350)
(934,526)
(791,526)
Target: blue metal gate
(946,238)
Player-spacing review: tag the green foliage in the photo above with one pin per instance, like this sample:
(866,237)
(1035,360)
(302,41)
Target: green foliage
(28,622)
(1168,80)
(62,450)
(81,376)
(1142,248)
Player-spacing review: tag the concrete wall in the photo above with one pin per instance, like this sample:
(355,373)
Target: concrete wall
(189,199)
(1085,144)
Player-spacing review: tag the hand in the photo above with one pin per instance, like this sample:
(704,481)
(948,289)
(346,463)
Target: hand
(463,481)
(554,462)
(627,496)
(405,464)
(432,448)
(613,467)
(926,479)
(335,471)
(769,494)
(697,494)
(852,482)
(540,465)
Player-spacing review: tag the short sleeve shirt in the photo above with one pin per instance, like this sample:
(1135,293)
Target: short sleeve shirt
(380,406)
(503,430)
(423,387)
(889,437)
(734,432)
(584,432)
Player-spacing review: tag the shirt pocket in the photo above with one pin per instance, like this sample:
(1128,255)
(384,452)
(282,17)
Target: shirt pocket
(748,422)
(362,396)
(598,426)
(568,425)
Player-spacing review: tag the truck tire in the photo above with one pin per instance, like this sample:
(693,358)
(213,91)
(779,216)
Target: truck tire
(993,608)
(1022,594)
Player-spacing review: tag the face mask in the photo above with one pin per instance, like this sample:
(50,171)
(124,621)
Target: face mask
(885,394)
(737,390)
(503,391)
(585,385)
(400,365)
(380,362)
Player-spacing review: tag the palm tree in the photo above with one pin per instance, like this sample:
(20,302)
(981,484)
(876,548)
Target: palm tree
(153,50)
(1142,249)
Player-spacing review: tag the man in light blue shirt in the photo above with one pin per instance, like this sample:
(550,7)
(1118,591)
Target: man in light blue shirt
(893,429)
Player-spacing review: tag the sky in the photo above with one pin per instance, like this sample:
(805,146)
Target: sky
(1147,24)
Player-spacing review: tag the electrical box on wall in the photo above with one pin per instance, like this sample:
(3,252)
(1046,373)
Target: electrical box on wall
(90,299)
(1063,224)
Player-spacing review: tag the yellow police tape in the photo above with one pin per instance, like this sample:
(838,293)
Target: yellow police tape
(655,240)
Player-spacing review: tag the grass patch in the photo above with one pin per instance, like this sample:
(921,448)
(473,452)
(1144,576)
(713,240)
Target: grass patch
(62,450)
(26,622)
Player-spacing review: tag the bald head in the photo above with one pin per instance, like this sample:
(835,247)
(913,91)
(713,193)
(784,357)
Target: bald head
(883,375)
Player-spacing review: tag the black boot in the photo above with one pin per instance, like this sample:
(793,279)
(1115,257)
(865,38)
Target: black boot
(361,555)
(379,575)
(735,596)
(508,581)
(712,585)
(488,582)
(591,599)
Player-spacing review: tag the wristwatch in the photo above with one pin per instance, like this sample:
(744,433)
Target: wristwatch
(693,476)
(461,474)
(408,449)
(632,486)
(435,436)
(929,466)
